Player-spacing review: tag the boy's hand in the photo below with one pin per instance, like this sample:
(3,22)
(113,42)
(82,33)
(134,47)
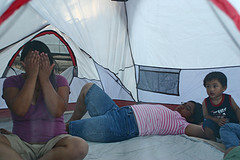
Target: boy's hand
(221,121)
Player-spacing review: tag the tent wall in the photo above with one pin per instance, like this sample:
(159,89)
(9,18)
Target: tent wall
(190,82)
(193,37)
(181,34)
(21,24)
(99,28)
(117,44)
(4,6)
(87,69)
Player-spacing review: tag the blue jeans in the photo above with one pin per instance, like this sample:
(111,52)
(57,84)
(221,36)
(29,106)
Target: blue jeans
(108,122)
(230,134)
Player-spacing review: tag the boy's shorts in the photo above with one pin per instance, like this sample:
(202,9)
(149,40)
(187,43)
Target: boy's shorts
(207,123)
(32,151)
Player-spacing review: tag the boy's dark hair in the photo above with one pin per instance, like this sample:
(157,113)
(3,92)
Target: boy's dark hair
(221,77)
(197,116)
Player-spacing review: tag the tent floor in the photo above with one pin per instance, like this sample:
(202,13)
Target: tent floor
(148,145)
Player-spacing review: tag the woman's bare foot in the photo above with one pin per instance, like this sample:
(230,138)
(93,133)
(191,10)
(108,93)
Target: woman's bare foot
(4,131)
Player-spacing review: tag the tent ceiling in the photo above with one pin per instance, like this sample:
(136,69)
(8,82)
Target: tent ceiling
(189,36)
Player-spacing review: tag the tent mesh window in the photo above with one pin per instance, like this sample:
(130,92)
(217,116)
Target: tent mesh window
(159,80)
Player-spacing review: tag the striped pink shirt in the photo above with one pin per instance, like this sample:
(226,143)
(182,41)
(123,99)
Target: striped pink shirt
(158,120)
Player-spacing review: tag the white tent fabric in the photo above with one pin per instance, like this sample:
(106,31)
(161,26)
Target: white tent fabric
(17,26)
(108,44)
(236,4)
(4,5)
(187,31)
(151,51)
(169,147)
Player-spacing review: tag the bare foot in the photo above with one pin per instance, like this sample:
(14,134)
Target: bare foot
(4,131)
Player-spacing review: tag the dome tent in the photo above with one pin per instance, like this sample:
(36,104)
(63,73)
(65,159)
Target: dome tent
(151,51)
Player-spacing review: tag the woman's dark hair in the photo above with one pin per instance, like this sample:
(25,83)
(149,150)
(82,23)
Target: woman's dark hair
(41,47)
(197,113)
(221,77)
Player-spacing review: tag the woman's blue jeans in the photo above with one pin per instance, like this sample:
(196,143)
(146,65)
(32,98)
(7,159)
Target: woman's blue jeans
(230,134)
(108,122)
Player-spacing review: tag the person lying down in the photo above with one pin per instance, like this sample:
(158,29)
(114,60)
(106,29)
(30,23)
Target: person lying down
(110,123)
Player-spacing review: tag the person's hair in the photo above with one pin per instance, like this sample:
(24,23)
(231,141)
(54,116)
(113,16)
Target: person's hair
(221,77)
(41,47)
(197,116)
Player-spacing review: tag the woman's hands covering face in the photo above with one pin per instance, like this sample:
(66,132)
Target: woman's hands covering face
(31,63)
(36,64)
(45,69)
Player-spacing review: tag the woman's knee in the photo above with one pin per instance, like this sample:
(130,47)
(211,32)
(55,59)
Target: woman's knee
(76,147)
(79,148)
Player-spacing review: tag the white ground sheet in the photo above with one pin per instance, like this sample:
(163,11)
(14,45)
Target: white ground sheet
(179,147)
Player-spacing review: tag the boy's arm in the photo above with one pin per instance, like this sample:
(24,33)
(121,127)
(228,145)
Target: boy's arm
(236,109)
(205,112)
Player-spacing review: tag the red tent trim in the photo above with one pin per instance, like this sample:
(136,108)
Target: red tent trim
(63,41)
(227,7)
(42,34)
(11,9)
